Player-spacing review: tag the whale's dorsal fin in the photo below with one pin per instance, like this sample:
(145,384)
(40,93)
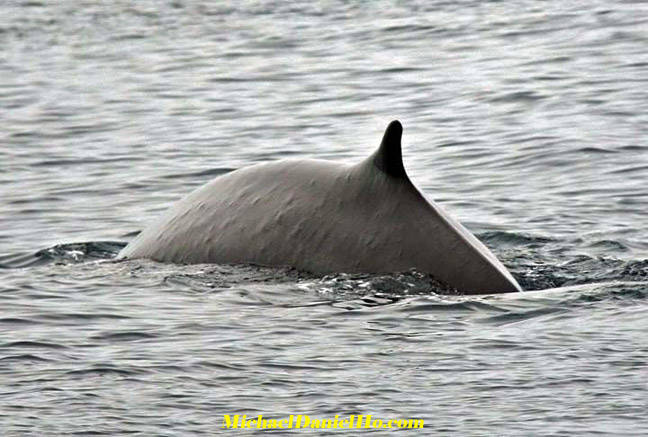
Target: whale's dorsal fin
(388,157)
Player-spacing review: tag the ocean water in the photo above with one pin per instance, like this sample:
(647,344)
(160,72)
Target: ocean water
(527,121)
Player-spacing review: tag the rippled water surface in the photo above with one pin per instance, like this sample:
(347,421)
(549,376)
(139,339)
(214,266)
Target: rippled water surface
(528,121)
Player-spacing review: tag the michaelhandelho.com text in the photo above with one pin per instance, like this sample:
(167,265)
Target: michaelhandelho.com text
(302,421)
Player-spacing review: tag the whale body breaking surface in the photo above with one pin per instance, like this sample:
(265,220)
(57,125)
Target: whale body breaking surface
(324,217)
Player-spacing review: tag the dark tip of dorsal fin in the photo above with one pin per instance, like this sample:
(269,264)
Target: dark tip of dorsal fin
(388,157)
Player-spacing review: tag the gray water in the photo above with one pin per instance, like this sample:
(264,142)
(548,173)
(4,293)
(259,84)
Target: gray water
(526,120)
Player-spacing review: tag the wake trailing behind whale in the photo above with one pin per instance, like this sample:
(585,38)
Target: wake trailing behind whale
(324,217)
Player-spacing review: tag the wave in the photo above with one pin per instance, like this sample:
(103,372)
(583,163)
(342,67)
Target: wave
(71,253)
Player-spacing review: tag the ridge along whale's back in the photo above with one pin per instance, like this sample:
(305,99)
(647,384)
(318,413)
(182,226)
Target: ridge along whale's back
(324,217)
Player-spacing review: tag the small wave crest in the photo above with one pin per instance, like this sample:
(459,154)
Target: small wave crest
(71,253)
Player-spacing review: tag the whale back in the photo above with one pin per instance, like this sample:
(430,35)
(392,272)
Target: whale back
(324,217)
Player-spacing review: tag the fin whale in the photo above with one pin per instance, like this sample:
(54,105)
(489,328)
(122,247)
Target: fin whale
(324,217)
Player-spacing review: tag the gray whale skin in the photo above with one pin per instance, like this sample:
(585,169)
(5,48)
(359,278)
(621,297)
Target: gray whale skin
(324,217)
